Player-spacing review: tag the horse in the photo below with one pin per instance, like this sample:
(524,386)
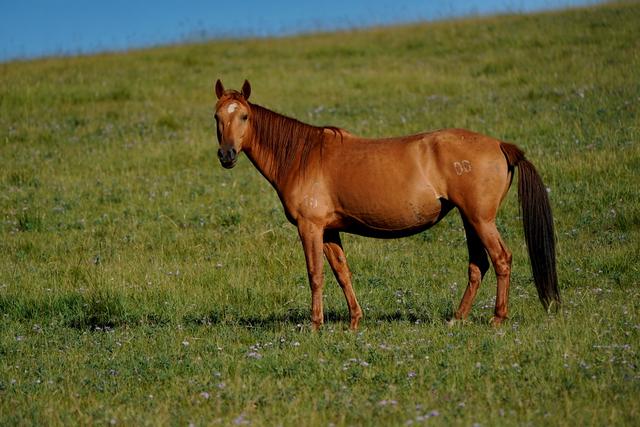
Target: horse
(330,181)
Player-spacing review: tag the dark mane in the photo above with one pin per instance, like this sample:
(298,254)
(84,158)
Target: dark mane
(286,138)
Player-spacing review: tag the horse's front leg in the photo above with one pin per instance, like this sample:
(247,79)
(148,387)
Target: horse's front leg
(338,262)
(311,237)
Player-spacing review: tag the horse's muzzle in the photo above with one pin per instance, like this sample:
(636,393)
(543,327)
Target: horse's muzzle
(228,157)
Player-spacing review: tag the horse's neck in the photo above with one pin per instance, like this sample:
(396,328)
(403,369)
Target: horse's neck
(264,160)
(281,146)
(261,160)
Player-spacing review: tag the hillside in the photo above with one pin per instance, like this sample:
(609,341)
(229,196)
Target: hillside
(140,283)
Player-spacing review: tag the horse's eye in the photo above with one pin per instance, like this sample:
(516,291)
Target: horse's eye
(215,116)
(244,117)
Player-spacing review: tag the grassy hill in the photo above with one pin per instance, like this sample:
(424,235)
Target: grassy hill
(142,284)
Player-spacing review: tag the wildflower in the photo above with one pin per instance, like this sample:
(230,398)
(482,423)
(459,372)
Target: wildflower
(254,355)
(240,420)
(204,395)
(185,343)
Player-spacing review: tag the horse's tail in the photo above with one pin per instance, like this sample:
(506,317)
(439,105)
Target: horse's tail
(538,225)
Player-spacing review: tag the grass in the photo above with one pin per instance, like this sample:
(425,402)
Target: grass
(141,284)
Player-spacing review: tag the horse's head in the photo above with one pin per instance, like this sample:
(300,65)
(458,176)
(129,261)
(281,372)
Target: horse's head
(232,122)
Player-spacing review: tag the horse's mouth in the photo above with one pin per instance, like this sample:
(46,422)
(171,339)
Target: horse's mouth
(229,165)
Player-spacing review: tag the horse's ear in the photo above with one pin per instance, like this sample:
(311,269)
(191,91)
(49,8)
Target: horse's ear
(246,89)
(219,89)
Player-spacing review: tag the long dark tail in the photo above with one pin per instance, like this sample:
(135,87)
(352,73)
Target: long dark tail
(538,226)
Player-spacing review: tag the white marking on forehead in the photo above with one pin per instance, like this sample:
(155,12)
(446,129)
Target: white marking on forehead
(232,107)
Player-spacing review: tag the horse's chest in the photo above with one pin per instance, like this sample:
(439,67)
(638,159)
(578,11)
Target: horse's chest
(310,202)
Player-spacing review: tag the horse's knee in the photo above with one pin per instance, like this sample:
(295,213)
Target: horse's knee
(316,279)
(475,274)
(502,264)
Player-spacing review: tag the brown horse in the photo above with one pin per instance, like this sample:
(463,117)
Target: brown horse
(331,181)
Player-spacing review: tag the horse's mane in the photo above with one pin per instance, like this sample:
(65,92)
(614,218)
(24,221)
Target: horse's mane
(286,138)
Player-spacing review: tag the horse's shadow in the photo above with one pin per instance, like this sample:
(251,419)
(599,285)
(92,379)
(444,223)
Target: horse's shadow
(301,319)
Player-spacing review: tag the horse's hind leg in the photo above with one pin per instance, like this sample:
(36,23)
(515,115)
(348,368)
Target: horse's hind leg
(501,260)
(338,262)
(478,266)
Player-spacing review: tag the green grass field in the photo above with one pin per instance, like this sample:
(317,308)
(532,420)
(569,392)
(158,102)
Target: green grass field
(142,284)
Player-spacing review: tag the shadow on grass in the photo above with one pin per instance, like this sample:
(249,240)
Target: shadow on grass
(300,318)
(99,310)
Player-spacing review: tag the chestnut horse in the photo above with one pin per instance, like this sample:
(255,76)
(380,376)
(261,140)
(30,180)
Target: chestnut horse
(329,181)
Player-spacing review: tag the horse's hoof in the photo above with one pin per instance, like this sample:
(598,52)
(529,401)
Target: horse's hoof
(354,324)
(497,321)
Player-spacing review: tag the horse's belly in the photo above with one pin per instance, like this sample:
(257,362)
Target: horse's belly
(392,218)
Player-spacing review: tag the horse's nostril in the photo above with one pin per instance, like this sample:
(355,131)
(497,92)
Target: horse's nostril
(232,153)
(220,153)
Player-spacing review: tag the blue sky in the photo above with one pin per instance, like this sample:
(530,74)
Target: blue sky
(33,28)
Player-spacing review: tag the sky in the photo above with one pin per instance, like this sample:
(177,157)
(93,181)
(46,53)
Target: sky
(36,28)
